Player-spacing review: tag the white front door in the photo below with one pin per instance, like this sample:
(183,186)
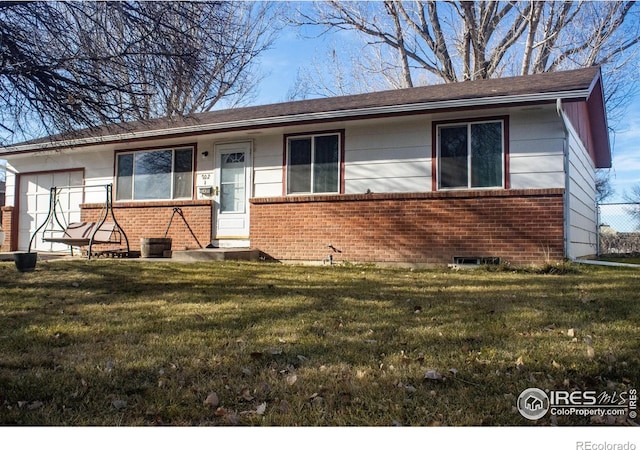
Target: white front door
(34,206)
(233,177)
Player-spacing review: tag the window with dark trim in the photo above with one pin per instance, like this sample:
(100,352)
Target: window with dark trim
(471,154)
(313,163)
(163,174)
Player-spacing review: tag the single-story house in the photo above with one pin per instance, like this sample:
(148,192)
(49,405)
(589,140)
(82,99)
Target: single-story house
(489,169)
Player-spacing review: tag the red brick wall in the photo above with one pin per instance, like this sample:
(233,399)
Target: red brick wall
(519,226)
(150,219)
(7,218)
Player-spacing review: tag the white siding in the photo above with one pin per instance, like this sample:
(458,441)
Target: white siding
(390,156)
(267,163)
(536,156)
(98,169)
(582,214)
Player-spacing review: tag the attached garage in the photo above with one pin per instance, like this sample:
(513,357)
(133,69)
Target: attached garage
(33,205)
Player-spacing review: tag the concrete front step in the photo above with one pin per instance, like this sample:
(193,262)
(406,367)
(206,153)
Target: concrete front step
(216,254)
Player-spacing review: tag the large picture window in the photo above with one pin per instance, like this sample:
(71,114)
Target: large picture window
(471,155)
(313,164)
(164,174)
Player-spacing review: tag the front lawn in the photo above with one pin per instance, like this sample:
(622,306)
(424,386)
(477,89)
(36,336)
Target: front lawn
(117,342)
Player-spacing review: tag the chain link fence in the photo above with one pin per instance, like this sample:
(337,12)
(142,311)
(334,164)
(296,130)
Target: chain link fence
(619,229)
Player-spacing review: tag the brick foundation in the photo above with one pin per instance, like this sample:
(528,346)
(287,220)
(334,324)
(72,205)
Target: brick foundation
(150,219)
(7,227)
(519,226)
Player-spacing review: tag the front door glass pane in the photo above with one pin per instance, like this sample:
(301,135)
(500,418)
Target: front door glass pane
(232,182)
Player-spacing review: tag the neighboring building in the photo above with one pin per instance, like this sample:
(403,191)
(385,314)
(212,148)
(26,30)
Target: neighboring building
(500,168)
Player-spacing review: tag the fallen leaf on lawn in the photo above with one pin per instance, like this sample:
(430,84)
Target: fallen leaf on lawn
(291,379)
(220,412)
(246,394)
(590,352)
(417,309)
(212,400)
(555,364)
(610,357)
(119,404)
(433,375)
(35,405)
(454,371)
(571,332)
(519,362)
(284,407)
(231,419)
(262,407)
(550,327)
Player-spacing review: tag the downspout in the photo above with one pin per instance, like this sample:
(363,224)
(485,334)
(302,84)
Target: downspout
(567,180)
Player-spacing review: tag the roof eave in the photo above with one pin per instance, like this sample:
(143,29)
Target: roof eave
(598,118)
(348,114)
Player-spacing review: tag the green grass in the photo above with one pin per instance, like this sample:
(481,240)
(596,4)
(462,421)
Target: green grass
(117,342)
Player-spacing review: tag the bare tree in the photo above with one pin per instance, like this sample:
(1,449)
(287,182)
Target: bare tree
(67,65)
(466,40)
(196,54)
(633,197)
(44,76)
(604,189)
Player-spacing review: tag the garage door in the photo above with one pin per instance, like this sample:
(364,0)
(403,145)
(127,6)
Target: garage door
(34,206)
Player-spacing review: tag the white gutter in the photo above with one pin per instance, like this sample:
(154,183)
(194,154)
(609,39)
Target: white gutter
(293,118)
(567,179)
